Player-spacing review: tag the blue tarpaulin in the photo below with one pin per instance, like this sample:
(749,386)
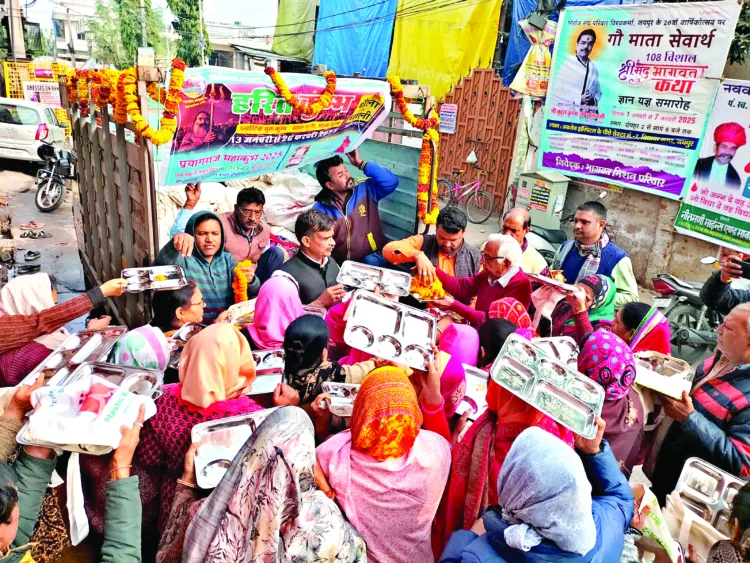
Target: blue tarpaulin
(519,44)
(355,36)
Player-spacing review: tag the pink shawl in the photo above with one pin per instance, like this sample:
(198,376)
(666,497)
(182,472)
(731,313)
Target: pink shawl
(277,306)
(391,503)
(462,342)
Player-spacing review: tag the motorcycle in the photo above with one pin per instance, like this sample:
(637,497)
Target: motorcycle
(546,241)
(59,166)
(693,324)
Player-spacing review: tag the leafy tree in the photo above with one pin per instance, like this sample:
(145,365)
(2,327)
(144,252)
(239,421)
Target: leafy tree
(115,31)
(192,31)
(105,36)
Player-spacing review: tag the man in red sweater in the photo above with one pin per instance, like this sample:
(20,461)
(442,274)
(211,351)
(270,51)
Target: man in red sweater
(501,277)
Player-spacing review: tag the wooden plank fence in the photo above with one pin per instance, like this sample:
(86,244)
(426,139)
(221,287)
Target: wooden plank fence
(115,206)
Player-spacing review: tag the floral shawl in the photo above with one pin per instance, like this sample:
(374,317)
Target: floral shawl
(267,508)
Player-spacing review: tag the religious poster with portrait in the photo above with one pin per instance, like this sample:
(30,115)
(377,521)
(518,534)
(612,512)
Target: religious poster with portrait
(233,124)
(716,206)
(631,90)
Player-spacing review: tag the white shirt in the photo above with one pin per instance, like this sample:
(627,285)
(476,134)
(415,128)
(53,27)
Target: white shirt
(506,277)
(574,78)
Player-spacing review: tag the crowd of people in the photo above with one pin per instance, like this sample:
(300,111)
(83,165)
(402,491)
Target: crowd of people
(406,477)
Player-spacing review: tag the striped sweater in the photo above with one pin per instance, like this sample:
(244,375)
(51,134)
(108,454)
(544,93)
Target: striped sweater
(718,431)
(214,278)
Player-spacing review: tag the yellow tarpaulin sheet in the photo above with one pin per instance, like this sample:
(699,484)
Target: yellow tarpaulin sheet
(438,43)
(294,35)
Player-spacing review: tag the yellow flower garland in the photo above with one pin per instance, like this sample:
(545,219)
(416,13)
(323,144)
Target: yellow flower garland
(314,108)
(426,174)
(121,90)
(240,283)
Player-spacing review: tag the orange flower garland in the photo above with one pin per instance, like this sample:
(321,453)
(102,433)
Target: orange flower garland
(118,110)
(426,174)
(297,108)
(168,123)
(83,92)
(240,283)
(121,90)
(427,291)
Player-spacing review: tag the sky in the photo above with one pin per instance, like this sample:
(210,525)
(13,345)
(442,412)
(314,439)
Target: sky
(250,12)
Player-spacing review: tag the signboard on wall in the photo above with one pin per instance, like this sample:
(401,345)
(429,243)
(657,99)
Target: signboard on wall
(233,124)
(716,206)
(42,92)
(448,118)
(631,89)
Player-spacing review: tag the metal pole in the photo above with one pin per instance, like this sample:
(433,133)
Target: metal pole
(144,39)
(16,31)
(203,38)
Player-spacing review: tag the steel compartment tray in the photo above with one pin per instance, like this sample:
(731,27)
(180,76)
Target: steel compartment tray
(390,330)
(268,361)
(363,276)
(342,397)
(708,491)
(560,392)
(221,440)
(140,381)
(85,346)
(563,348)
(155,278)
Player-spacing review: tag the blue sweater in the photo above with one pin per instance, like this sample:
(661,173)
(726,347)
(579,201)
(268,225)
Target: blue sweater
(611,256)
(357,229)
(612,509)
(214,278)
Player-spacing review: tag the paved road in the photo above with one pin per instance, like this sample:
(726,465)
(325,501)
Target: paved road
(59,253)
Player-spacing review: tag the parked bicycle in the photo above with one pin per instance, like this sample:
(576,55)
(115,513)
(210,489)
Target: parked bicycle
(478,203)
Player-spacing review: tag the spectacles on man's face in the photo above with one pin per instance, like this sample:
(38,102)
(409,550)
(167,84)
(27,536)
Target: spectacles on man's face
(488,258)
(251,212)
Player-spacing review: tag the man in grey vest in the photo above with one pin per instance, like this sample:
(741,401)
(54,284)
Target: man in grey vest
(446,249)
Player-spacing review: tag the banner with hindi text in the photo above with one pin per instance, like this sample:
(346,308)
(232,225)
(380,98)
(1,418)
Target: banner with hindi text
(233,124)
(716,207)
(631,89)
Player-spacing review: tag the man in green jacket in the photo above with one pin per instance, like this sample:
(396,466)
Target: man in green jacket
(22,488)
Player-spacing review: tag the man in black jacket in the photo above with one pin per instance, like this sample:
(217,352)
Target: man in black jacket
(312,267)
(717,293)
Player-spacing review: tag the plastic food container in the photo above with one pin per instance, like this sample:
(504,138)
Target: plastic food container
(370,278)
(156,278)
(548,384)
(85,346)
(141,381)
(221,440)
(475,397)
(708,492)
(390,330)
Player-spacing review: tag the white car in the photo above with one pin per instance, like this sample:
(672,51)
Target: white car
(23,127)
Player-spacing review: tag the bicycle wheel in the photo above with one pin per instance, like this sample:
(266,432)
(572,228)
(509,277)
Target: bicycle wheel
(445,191)
(479,206)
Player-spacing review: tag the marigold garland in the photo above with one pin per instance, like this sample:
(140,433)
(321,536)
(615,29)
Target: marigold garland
(426,173)
(427,292)
(240,283)
(83,77)
(120,89)
(298,108)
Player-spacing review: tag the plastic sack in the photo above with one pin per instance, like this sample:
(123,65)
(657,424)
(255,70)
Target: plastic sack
(655,528)
(533,76)
(90,411)
(689,528)
(289,196)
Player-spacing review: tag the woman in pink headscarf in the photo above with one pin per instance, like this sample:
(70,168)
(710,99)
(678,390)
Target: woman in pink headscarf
(461,344)
(278,304)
